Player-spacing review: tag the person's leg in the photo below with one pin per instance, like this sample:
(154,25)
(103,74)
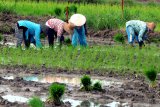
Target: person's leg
(50,34)
(82,37)
(75,37)
(19,35)
(27,41)
(130,34)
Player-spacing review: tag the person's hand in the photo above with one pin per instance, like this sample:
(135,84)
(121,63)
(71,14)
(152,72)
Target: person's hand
(141,43)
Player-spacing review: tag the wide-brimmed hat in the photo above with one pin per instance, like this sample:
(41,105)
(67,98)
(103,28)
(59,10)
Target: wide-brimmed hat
(68,27)
(78,19)
(151,26)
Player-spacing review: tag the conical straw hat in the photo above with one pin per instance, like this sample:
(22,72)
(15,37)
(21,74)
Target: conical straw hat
(78,19)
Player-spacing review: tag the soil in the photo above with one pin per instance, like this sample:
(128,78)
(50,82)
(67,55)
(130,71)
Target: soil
(135,88)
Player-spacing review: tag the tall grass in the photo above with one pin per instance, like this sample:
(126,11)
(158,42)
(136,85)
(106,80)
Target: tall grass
(98,16)
(101,58)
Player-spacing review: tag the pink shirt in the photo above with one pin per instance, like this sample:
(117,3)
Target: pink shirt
(56,24)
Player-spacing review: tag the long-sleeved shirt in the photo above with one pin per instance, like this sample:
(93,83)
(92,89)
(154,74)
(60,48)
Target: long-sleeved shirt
(33,30)
(57,25)
(140,28)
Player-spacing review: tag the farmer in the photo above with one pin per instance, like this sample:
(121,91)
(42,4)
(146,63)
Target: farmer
(56,28)
(29,32)
(139,30)
(79,33)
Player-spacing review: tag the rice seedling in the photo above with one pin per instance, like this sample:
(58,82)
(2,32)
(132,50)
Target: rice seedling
(35,102)
(1,37)
(86,82)
(151,75)
(56,92)
(97,86)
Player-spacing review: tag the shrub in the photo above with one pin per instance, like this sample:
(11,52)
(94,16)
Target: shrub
(35,102)
(97,86)
(56,92)
(86,82)
(119,38)
(57,11)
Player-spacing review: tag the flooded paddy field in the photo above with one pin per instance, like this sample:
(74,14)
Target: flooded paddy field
(18,85)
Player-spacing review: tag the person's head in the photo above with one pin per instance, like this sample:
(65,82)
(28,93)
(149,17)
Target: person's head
(68,27)
(151,26)
(78,20)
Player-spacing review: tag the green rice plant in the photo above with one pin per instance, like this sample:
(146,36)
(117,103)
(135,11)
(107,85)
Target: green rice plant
(56,91)
(86,82)
(35,102)
(151,75)
(97,86)
(119,38)
(57,11)
(6,9)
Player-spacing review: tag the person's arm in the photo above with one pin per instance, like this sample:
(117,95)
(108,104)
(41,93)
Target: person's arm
(141,34)
(37,38)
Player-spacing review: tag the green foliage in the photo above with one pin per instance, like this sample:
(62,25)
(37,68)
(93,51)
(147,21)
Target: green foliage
(35,102)
(97,86)
(56,92)
(119,38)
(86,82)
(57,11)
(67,41)
(151,74)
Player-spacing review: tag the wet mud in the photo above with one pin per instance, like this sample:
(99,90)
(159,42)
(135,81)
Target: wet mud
(127,90)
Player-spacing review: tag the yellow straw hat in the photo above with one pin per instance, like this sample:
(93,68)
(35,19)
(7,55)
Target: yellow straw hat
(78,19)
(151,26)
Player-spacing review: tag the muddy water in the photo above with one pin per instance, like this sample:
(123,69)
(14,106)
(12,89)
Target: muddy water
(74,103)
(71,80)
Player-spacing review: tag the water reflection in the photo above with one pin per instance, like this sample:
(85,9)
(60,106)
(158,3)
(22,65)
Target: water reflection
(72,80)
(12,98)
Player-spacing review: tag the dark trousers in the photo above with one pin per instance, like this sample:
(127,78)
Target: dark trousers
(51,33)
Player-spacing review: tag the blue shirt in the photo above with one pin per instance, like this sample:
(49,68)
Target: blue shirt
(33,30)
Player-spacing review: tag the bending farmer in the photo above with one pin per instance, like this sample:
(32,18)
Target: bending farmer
(29,32)
(79,33)
(139,30)
(56,27)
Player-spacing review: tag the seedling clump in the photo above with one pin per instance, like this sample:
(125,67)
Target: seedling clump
(58,11)
(56,92)
(119,38)
(86,82)
(97,86)
(35,102)
(151,75)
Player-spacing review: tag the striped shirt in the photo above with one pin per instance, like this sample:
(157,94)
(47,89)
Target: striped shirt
(57,25)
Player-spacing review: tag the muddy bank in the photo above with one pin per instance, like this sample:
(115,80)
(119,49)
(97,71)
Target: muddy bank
(7,23)
(133,89)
